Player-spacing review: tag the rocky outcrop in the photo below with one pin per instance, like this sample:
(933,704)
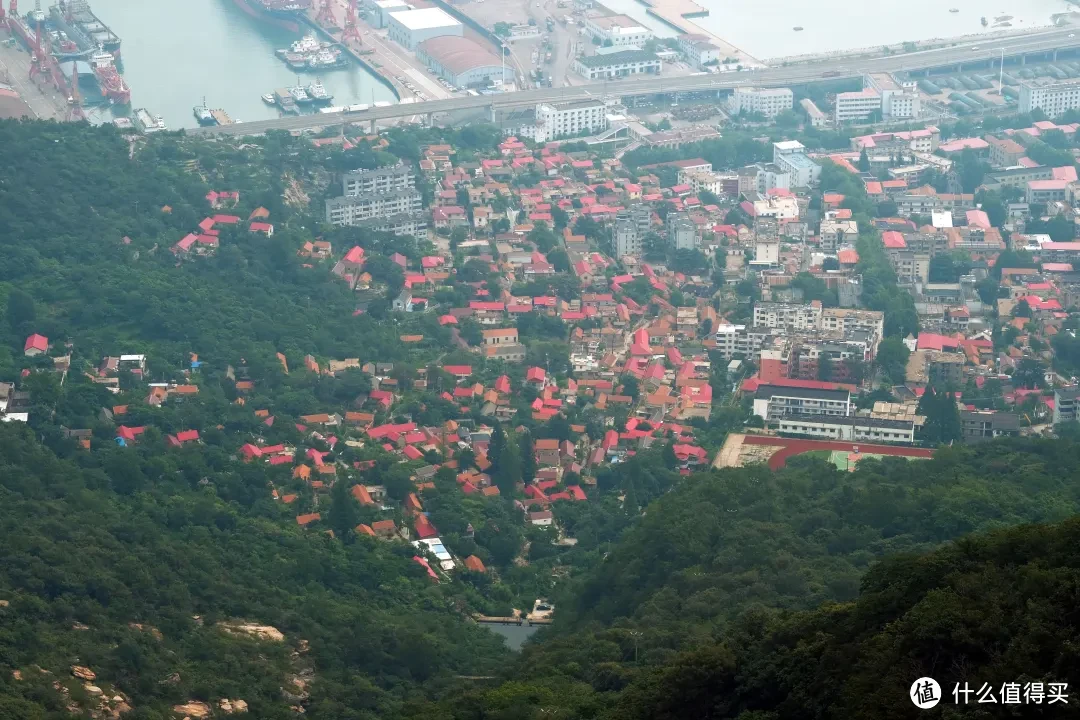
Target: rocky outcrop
(193,709)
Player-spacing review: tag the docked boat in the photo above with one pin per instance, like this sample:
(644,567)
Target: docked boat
(81,26)
(318,93)
(300,96)
(268,98)
(221,117)
(285,14)
(305,46)
(297,62)
(147,123)
(203,115)
(327,59)
(285,101)
(112,85)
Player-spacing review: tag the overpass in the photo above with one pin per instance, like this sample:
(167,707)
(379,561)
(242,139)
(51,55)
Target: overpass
(970,52)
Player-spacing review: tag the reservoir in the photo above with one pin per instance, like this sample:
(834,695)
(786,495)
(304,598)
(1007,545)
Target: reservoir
(176,53)
(515,635)
(765,29)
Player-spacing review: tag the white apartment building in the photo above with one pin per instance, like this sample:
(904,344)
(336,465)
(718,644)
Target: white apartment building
(847,320)
(773,403)
(353,209)
(899,98)
(790,156)
(621,30)
(778,208)
(836,234)
(770,102)
(699,50)
(852,106)
(682,232)
(738,341)
(385,179)
(572,118)
(817,118)
(627,239)
(791,316)
(699,180)
(1053,99)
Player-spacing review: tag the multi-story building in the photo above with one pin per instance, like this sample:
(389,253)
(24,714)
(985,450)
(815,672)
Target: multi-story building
(835,234)
(1065,403)
(899,96)
(982,425)
(571,118)
(626,238)
(852,106)
(618,30)
(609,66)
(849,429)
(789,316)
(682,232)
(409,28)
(1044,191)
(350,210)
(790,156)
(772,402)
(410,223)
(911,267)
(770,102)
(699,50)
(385,179)
(813,112)
(1005,152)
(1053,99)
(846,320)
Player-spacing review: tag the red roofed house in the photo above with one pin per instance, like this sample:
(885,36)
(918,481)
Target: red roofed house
(260,227)
(36,345)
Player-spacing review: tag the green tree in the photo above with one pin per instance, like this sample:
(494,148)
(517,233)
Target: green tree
(344,514)
(527,453)
(864,161)
(892,358)
(942,425)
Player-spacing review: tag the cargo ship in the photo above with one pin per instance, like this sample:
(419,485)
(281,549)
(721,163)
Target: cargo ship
(285,14)
(81,26)
(112,85)
(203,115)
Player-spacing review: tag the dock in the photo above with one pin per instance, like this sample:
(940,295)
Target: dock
(677,15)
(358,56)
(221,117)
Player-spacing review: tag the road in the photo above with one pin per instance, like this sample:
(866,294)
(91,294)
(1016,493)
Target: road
(981,51)
(42,98)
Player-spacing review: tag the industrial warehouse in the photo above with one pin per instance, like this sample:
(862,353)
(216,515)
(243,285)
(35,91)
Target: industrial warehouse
(462,61)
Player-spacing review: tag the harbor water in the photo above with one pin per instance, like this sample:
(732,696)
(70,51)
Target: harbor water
(767,29)
(176,53)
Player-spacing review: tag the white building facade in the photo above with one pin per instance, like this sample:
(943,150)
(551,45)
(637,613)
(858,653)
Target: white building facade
(770,102)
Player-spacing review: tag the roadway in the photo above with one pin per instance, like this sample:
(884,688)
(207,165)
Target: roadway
(1066,38)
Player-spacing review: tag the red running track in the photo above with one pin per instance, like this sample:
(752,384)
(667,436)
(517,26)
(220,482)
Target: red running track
(790,447)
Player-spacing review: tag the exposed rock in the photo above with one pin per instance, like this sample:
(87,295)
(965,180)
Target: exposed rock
(83,673)
(16,674)
(92,689)
(79,626)
(171,680)
(120,709)
(232,706)
(262,632)
(4,603)
(192,709)
(147,628)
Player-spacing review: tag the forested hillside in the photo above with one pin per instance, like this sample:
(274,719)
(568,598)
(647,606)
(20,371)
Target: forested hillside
(690,614)
(84,560)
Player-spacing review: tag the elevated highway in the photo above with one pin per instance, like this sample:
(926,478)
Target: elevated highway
(967,52)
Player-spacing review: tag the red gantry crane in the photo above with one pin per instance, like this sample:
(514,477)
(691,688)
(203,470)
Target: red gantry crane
(325,16)
(75,110)
(351,32)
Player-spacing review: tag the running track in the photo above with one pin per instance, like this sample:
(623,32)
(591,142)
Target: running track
(791,446)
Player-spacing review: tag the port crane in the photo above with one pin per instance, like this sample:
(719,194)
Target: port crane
(351,32)
(325,16)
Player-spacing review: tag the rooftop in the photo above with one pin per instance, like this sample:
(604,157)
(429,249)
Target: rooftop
(424,18)
(458,54)
(619,58)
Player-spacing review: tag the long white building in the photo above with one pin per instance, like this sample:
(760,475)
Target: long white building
(571,118)
(770,102)
(1052,99)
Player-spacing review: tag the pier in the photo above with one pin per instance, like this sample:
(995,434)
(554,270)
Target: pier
(677,14)
(362,58)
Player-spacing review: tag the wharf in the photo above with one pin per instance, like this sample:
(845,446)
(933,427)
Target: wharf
(677,14)
(39,94)
(368,57)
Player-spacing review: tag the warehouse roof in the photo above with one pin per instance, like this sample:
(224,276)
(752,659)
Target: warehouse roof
(458,54)
(619,58)
(424,18)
